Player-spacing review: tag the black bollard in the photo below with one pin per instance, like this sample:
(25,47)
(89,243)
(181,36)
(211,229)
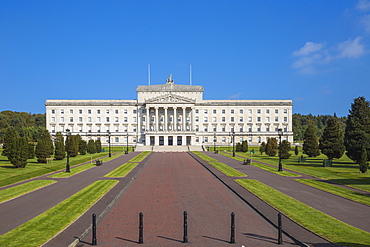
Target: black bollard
(141,241)
(232,238)
(94,241)
(280,230)
(185,227)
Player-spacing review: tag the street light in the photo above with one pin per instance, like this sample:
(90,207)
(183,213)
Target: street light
(280,133)
(214,142)
(233,141)
(127,143)
(68,132)
(110,154)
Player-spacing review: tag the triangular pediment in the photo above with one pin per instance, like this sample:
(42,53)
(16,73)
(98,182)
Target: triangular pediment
(170,98)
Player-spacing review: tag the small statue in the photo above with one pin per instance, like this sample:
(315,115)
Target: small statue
(169,80)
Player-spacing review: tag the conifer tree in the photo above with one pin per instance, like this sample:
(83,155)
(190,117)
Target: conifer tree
(285,148)
(263,147)
(310,144)
(331,142)
(31,150)
(9,136)
(357,131)
(98,145)
(73,141)
(91,147)
(44,147)
(296,150)
(363,162)
(245,146)
(238,147)
(271,147)
(18,152)
(82,147)
(60,149)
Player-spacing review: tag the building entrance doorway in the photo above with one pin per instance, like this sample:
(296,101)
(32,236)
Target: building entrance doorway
(188,140)
(152,141)
(179,140)
(161,141)
(170,140)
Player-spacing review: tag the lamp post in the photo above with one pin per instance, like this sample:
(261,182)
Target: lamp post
(280,133)
(127,143)
(233,141)
(110,154)
(68,133)
(214,142)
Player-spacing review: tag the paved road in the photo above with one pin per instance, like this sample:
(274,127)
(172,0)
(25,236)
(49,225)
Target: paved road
(170,184)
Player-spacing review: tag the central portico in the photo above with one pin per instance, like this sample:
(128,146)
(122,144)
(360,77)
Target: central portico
(169,113)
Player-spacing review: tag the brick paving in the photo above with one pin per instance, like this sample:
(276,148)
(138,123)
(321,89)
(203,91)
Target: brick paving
(170,184)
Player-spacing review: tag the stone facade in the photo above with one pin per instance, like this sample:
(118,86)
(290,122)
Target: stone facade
(171,115)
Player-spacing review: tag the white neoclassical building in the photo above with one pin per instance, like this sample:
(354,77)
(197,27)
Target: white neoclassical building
(171,116)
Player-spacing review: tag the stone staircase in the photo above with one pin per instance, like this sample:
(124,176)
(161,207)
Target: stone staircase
(168,148)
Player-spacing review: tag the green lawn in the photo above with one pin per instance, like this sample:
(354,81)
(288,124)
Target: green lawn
(10,175)
(343,171)
(121,171)
(203,156)
(40,229)
(22,189)
(227,170)
(73,171)
(140,157)
(314,220)
(349,194)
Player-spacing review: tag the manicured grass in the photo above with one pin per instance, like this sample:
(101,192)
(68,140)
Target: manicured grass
(314,220)
(140,157)
(22,189)
(10,175)
(231,156)
(73,171)
(40,229)
(203,156)
(227,170)
(274,170)
(343,171)
(349,194)
(121,171)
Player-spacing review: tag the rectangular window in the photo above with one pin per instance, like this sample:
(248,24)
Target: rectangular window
(116,111)
(259,128)
(241,119)
(276,111)
(214,129)
(196,111)
(267,119)
(61,111)
(62,119)
(98,111)
(250,111)
(125,119)
(206,139)
(107,119)
(71,119)
(268,111)
(241,129)
(116,119)
(258,111)
(276,119)
(125,111)
(80,111)
(205,119)
(205,111)
(214,119)
(89,111)
(205,128)
(258,119)
(98,119)
(285,111)
(232,111)
(71,111)
(143,111)
(196,119)
(223,129)
(134,111)
(80,128)
(267,128)
(107,111)
(116,139)
(249,119)
(285,119)
(143,119)
(232,119)
(223,139)
(214,111)
(134,119)
(52,111)
(80,119)
(197,128)
(250,129)
(223,119)
(223,111)
(241,111)
(53,119)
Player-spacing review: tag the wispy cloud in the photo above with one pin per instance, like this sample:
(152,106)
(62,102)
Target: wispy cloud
(363,5)
(351,48)
(235,96)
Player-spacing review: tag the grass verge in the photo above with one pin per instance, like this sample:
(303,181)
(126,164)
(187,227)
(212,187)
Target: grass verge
(45,226)
(203,156)
(343,192)
(121,171)
(230,156)
(140,157)
(314,220)
(73,171)
(273,169)
(227,170)
(16,191)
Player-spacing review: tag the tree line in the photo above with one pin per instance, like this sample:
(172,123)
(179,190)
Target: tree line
(19,149)
(350,134)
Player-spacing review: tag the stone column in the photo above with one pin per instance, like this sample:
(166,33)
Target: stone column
(192,127)
(147,118)
(165,118)
(183,118)
(156,119)
(174,118)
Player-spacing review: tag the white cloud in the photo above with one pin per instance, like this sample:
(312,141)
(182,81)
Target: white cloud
(363,5)
(351,48)
(366,22)
(308,48)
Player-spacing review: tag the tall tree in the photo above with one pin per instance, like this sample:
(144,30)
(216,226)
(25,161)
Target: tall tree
(18,152)
(363,162)
(245,146)
(60,149)
(271,147)
(31,150)
(310,144)
(357,132)
(331,142)
(296,150)
(263,147)
(91,147)
(285,148)
(9,136)
(73,141)
(82,147)
(98,145)
(44,147)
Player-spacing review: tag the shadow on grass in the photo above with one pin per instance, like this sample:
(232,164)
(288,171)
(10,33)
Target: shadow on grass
(357,181)
(353,244)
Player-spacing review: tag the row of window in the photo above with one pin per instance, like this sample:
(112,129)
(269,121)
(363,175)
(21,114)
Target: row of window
(197,111)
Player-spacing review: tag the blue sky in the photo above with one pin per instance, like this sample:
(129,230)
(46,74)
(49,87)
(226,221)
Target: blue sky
(313,52)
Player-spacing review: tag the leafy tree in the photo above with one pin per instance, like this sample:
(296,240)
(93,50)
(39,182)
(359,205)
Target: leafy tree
(245,146)
(9,136)
(357,131)
(91,147)
(238,147)
(18,152)
(82,147)
(310,144)
(331,142)
(363,162)
(60,149)
(271,147)
(263,147)
(98,145)
(72,145)
(296,150)
(44,147)
(31,150)
(285,148)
